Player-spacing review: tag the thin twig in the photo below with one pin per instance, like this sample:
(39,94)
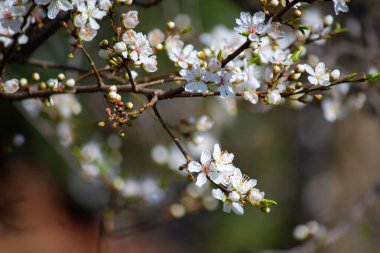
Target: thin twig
(175,140)
(93,66)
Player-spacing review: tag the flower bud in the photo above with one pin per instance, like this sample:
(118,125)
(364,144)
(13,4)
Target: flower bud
(170,25)
(265,209)
(274,3)
(276,69)
(300,68)
(160,46)
(255,196)
(214,65)
(42,86)
(335,75)
(130,20)
(294,76)
(299,85)
(112,88)
(156,37)
(129,105)
(70,83)
(234,196)
(120,47)
(61,76)
(318,97)
(36,76)
(23,82)
(328,20)
(297,13)
(113,96)
(52,83)
(104,44)
(273,97)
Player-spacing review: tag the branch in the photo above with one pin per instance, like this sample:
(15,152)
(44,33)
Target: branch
(175,140)
(92,63)
(247,43)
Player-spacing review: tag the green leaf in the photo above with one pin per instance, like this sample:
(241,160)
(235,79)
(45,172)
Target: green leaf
(302,28)
(268,202)
(220,55)
(255,60)
(350,76)
(186,29)
(373,77)
(296,55)
(339,28)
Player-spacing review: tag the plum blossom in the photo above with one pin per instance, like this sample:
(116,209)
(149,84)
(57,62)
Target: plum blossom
(251,96)
(11,86)
(55,6)
(204,169)
(130,20)
(195,78)
(281,57)
(142,53)
(183,56)
(155,37)
(11,17)
(340,5)
(89,12)
(230,203)
(223,160)
(86,33)
(251,25)
(319,76)
(224,80)
(273,97)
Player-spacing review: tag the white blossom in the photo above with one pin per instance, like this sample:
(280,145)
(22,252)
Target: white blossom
(251,25)
(130,20)
(340,5)
(319,76)
(89,12)
(11,86)
(55,6)
(183,56)
(195,79)
(204,169)
(273,97)
(155,37)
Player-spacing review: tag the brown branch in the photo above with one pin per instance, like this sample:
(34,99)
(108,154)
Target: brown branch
(130,77)
(247,43)
(175,140)
(93,66)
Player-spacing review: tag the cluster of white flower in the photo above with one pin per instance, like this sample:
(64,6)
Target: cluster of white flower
(235,189)
(132,46)
(87,14)
(11,19)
